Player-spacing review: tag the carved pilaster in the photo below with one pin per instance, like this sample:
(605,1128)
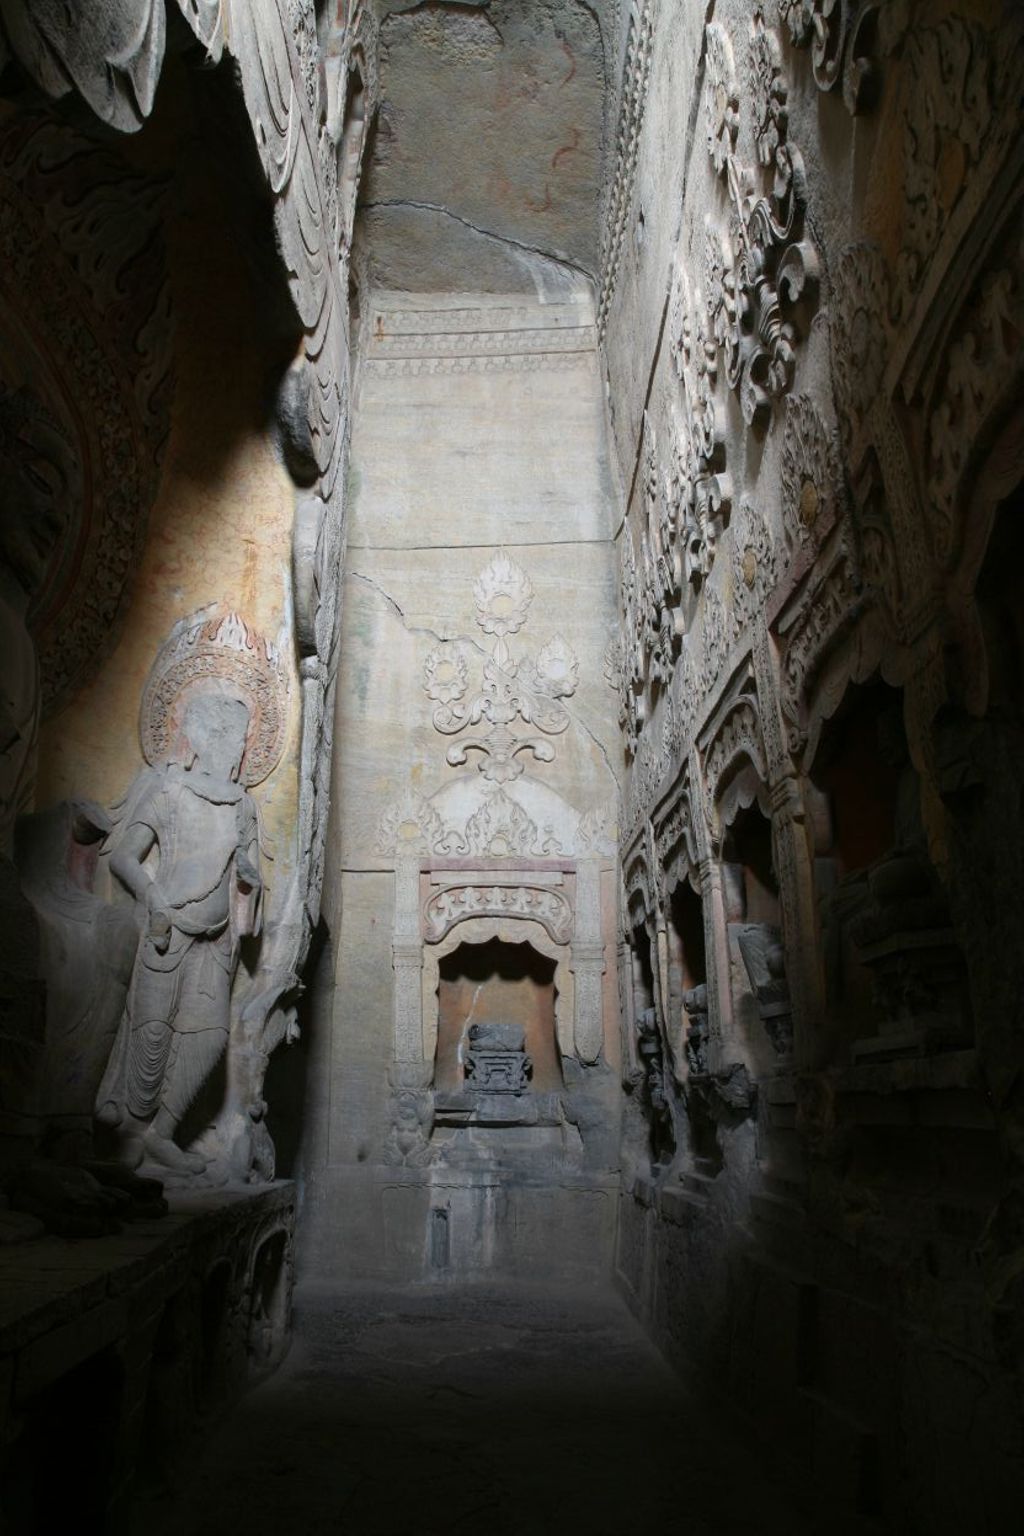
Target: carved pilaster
(794,868)
(716,946)
(588,962)
(407,959)
(793,855)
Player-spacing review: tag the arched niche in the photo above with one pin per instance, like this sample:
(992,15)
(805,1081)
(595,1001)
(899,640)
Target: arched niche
(491,982)
(269,1301)
(512,931)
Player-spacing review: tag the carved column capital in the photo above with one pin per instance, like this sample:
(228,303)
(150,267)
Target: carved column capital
(584,955)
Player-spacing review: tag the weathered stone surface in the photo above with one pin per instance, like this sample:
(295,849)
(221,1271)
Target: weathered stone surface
(478,761)
(490,126)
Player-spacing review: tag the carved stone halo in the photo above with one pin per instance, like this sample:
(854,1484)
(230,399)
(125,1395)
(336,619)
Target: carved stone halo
(218,651)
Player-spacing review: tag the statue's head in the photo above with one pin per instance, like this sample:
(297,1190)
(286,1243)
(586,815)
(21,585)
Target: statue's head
(216,727)
(35,487)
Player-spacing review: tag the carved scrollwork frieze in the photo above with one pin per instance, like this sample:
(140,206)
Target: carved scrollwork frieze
(632,107)
(532,903)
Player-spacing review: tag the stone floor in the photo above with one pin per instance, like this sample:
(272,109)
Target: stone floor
(505,1413)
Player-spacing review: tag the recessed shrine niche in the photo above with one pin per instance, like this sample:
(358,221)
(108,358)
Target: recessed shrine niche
(652,1075)
(688,1018)
(687,975)
(498,1028)
(504,984)
(762,1008)
(894,973)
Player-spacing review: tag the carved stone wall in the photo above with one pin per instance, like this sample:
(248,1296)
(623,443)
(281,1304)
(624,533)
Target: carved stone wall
(476,782)
(811,334)
(249,511)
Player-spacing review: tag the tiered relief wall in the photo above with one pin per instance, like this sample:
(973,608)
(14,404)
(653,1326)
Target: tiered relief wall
(810,316)
(479,477)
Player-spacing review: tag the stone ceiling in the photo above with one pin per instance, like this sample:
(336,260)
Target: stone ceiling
(486,165)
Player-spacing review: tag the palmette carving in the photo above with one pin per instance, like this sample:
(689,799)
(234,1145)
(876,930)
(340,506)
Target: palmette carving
(527,688)
(768,87)
(755,566)
(501,828)
(810,475)
(859,333)
(721,97)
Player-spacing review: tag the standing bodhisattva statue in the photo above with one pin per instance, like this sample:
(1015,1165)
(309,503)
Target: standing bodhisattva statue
(187,847)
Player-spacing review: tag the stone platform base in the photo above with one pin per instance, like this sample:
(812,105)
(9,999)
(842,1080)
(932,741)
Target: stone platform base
(440,1225)
(111,1348)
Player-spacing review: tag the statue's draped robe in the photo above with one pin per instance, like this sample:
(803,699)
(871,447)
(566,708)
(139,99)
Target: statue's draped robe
(177,1014)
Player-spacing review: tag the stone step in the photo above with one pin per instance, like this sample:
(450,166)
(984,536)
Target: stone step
(781,1187)
(696,1182)
(708,1166)
(777,1211)
(679,1205)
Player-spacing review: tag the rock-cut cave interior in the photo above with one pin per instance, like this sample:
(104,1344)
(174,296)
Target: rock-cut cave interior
(511,767)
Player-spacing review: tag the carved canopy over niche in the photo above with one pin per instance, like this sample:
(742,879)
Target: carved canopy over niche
(85,317)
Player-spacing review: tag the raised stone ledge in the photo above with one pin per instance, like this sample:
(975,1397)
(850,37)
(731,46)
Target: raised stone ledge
(201,1297)
(44,1284)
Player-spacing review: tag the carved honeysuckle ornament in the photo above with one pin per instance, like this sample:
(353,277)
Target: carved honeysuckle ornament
(844,40)
(722,99)
(526,688)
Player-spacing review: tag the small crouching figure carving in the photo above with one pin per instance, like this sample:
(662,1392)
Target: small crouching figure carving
(188,850)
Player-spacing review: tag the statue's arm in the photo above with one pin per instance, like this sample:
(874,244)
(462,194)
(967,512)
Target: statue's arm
(128,861)
(128,864)
(247,862)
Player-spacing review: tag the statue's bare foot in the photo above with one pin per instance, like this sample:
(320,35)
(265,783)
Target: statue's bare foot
(131,1149)
(162,1150)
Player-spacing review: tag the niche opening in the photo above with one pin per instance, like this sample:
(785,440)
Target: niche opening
(497,982)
